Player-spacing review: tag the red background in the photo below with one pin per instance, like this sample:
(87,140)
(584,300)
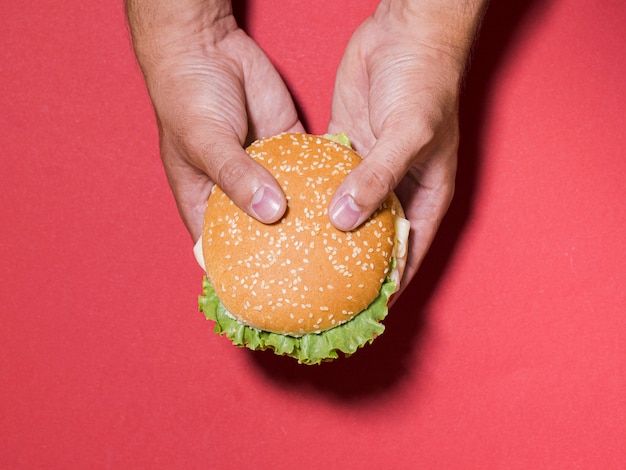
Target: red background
(507,352)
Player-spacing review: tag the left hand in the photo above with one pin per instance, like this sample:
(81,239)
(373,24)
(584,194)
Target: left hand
(397,97)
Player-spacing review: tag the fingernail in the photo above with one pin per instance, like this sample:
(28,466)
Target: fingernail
(344,213)
(266,204)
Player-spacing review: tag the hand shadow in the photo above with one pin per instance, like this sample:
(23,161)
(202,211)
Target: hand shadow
(382,366)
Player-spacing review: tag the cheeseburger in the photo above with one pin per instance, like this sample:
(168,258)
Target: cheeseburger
(300,286)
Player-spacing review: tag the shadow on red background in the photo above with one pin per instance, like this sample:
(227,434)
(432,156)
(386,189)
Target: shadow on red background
(382,366)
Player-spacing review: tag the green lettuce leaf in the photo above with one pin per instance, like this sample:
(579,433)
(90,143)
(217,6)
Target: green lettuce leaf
(312,348)
(341,138)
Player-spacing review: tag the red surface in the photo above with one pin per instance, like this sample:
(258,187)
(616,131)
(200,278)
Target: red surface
(508,352)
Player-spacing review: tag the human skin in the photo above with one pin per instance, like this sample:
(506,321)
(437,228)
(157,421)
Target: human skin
(396,95)
(212,89)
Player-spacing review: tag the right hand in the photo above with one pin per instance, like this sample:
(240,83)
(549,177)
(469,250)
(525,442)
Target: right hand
(213,91)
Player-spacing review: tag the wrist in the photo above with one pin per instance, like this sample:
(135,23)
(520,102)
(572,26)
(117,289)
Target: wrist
(163,29)
(447,27)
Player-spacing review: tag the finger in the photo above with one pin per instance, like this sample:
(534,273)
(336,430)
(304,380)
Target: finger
(269,104)
(425,208)
(272,114)
(297,127)
(224,162)
(369,184)
(190,186)
(250,186)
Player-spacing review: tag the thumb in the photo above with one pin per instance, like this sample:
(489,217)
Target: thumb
(369,184)
(250,186)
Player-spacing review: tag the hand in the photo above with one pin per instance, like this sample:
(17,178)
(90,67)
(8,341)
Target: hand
(397,96)
(212,91)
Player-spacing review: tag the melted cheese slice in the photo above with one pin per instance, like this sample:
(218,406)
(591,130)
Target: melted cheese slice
(197,253)
(400,249)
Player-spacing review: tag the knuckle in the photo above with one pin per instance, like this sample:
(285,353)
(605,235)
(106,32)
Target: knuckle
(231,173)
(422,132)
(377,179)
(426,131)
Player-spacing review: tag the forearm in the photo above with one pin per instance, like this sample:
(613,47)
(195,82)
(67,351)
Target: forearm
(447,26)
(164,28)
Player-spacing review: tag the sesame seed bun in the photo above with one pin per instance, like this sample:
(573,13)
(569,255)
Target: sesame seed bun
(300,275)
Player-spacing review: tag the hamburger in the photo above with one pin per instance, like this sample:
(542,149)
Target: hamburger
(301,287)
